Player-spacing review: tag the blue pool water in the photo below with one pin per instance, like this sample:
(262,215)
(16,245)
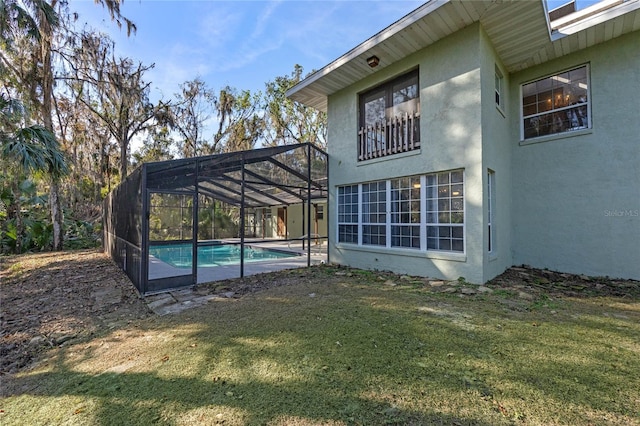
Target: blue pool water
(180,255)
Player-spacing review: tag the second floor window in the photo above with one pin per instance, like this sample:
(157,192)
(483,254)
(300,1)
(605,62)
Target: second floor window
(556,104)
(390,118)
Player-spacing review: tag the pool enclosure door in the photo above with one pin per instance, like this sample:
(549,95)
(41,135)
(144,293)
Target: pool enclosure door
(172,247)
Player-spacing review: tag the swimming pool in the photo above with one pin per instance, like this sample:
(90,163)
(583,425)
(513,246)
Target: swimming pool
(181,255)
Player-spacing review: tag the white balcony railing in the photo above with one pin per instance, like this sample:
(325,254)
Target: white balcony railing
(399,134)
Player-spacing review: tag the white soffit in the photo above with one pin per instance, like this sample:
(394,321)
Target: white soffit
(518,29)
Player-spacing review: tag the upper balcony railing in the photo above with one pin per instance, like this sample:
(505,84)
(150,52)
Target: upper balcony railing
(399,134)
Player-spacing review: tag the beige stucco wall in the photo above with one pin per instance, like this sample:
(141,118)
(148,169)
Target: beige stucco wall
(296,223)
(451,138)
(569,203)
(576,199)
(496,155)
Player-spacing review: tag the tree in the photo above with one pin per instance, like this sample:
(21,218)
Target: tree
(114,90)
(35,24)
(290,122)
(239,125)
(26,149)
(156,147)
(194,107)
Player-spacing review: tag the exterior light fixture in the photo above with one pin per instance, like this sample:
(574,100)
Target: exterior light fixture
(373,61)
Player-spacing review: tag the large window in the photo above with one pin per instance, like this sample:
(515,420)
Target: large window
(419,212)
(556,104)
(348,214)
(445,211)
(374,213)
(405,212)
(390,118)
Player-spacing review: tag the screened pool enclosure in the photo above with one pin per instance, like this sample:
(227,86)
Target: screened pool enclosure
(176,223)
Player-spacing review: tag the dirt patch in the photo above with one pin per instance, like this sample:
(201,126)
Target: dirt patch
(50,300)
(53,299)
(541,281)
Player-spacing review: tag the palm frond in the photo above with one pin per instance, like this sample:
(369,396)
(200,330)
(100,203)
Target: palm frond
(36,149)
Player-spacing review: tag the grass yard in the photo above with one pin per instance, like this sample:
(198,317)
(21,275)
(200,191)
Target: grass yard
(345,347)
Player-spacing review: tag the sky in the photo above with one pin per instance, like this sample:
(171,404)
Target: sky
(243,44)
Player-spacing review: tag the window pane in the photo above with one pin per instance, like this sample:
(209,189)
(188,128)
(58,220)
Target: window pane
(457,232)
(556,104)
(444,244)
(446,210)
(457,204)
(347,214)
(457,217)
(457,245)
(374,110)
(405,99)
(405,200)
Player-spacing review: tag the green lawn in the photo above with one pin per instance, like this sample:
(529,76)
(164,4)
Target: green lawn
(338,349)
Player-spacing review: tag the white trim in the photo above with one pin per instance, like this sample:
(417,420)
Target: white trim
(555,136)
(491,211)
(359,223)
(401,251)
(499,77)
(602,11)
(423,210)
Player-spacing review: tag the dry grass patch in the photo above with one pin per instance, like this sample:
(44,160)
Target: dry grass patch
(336,348)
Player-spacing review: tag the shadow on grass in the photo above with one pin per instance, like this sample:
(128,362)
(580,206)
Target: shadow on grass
(358,354)
(144,398)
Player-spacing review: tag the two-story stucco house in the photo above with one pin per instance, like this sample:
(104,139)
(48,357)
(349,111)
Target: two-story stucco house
(470,136)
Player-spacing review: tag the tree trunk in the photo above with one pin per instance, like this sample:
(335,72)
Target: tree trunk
(17,205)
(46,33)
(123,159)
(56,214)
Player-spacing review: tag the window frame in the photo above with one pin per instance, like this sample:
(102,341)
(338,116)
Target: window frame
(445,195)
(371,204)
(499,89)
(402,211)
(554,111)
(387,89)
(491,211)
(395,128)
(393,215)
(342,217)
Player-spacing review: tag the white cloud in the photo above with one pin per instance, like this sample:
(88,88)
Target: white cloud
(264,17)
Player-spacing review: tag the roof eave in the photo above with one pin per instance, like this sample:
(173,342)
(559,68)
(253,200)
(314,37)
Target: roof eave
(385,34)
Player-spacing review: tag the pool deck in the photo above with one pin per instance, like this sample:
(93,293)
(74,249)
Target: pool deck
(160,269)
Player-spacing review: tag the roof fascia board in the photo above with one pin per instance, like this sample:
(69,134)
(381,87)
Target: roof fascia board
(547,18)
(373,41)
(593,15)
